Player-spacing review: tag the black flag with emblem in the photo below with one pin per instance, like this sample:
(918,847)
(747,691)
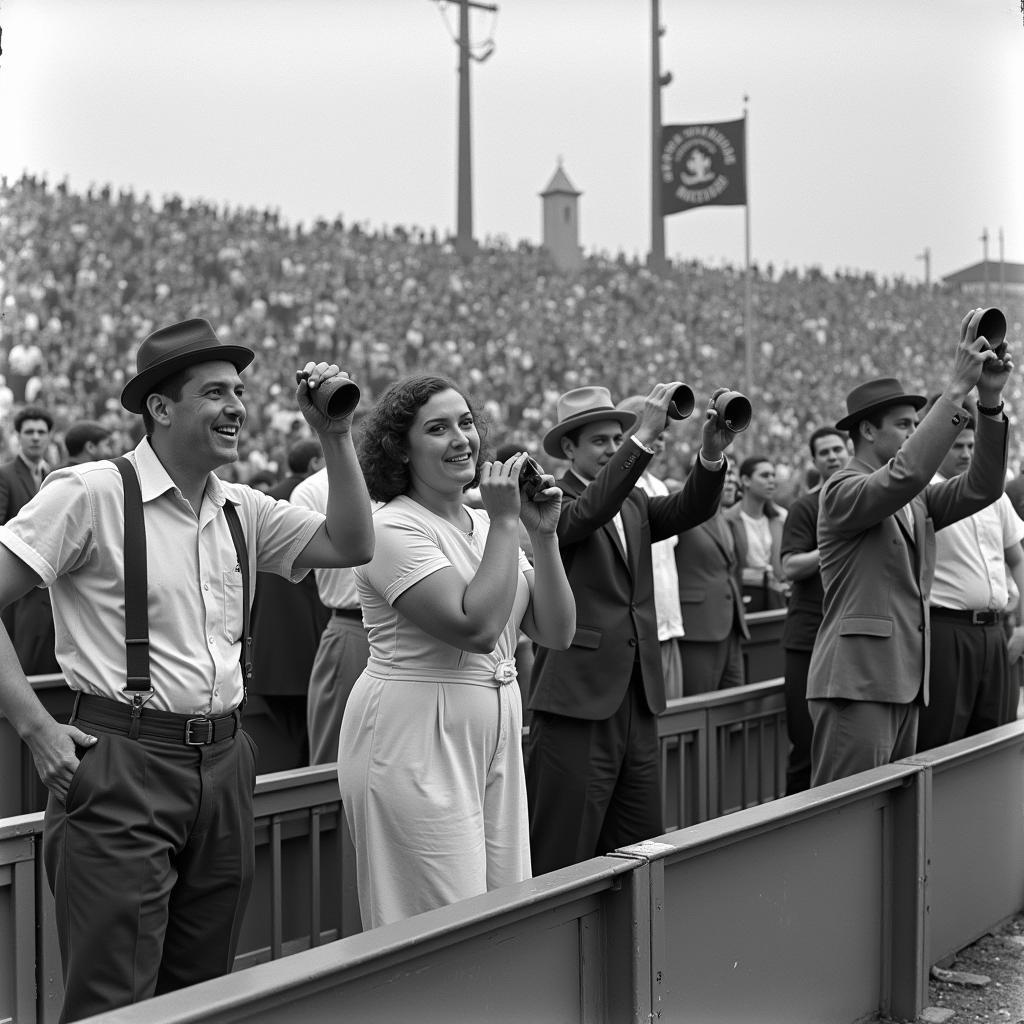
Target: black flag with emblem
(703,165)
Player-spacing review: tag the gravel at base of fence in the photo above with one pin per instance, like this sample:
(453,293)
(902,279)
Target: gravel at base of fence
(998,956)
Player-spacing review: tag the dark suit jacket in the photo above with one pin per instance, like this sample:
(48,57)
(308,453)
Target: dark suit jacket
(614,590)
(29,620)
(875,636)
(709,582)
(17,488)
(287,620)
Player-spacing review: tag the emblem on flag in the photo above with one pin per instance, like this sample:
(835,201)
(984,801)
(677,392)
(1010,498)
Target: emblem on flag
(703,165)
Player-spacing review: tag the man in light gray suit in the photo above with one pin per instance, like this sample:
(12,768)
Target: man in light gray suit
(876,538)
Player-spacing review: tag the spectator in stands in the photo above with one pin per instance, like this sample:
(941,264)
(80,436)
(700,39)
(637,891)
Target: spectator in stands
(87,441)
(730,488)
(970,683)
(757,523)
(592,758)
(343,647)
(29,620)
(287,620)
(264,480)
(430,757)
(148,840)
(663,564)
(711,597)
(876,540)
(800,565)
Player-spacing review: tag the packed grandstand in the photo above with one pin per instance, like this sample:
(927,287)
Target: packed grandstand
(85,275)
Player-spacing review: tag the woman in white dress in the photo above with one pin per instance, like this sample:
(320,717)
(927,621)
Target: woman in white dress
(430,756)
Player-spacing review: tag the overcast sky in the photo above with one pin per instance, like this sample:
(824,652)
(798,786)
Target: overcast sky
(877,127)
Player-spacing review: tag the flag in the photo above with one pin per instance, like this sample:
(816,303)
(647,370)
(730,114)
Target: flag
(703,165)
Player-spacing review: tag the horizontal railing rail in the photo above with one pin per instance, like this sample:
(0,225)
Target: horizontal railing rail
(23,793)
(823,906)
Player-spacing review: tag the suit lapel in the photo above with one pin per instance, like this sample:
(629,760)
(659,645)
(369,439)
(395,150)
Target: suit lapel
(575,487)
(718,531)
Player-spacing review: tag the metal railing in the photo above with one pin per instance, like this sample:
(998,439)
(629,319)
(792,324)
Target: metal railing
(825,906)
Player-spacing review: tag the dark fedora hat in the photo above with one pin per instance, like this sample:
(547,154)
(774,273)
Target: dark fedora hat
(873,395)
(579,407)
(173,348)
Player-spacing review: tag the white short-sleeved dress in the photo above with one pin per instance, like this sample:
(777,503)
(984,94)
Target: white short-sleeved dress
(430,755)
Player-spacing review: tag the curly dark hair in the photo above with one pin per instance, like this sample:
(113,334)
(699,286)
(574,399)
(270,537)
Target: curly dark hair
(381,442)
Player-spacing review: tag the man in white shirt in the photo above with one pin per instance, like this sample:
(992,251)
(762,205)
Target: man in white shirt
(970,666)
(344,648)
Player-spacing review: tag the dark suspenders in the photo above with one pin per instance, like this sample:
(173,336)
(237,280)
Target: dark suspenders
(139,685)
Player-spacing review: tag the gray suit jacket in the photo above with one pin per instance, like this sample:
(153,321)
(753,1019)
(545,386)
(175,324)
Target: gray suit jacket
(709,582)
(874,640)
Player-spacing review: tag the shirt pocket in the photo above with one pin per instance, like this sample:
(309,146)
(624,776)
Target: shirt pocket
(232,591)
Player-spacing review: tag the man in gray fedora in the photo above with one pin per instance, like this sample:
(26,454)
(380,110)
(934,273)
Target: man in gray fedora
(876,541)
(592,767)
(148,839)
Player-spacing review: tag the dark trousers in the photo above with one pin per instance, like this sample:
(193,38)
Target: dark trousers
(592,786)
(712,664)
(151,865)
(798,721)
(969,684)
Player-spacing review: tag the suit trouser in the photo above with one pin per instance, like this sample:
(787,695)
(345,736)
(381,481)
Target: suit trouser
(710,665)
(852,736)
(340,660)
(151,865)
(593,786)
(799,727)
(969,683)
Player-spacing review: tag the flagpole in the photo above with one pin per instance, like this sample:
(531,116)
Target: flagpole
(658,82)
(748,345)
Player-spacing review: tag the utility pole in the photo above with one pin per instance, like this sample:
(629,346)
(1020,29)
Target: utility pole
(927,257)
(465,245)
(658,262)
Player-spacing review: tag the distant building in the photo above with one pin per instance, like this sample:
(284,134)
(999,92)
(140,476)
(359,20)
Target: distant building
(561,221)
(990,277)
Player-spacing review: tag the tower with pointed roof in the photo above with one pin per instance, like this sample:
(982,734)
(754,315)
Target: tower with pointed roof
(560,221)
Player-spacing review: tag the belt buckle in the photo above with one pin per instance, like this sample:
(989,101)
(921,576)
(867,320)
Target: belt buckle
(190,740)
(984,618)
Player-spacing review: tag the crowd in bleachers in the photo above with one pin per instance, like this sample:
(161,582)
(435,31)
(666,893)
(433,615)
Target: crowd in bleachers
(84,276)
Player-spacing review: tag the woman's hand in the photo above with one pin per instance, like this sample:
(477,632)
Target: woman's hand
(540,513)
(499,488)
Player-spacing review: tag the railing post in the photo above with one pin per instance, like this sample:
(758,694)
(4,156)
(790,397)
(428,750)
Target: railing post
(646,928)
(905,887)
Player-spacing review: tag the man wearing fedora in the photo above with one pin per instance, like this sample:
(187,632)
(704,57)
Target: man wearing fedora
(592,771)
(148,839)
(876,542)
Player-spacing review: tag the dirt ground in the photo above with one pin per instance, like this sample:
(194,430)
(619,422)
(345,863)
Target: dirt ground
(998,956)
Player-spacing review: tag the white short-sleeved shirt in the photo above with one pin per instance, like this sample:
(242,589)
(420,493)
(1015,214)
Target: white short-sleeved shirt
(336,587)
(72,535)
(411,544)
(970,570)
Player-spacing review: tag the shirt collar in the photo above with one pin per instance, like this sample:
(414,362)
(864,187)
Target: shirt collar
(154,480)
(36,469)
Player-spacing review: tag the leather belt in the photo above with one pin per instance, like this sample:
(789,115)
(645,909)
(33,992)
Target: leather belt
(348,613)
(188,730)
(987,617)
